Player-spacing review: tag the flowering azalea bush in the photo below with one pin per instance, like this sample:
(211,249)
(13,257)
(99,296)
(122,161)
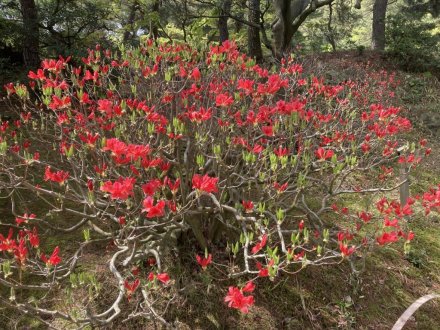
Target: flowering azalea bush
(135,148)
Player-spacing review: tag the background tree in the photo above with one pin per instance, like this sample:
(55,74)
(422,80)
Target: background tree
(254,41)
(223,20)
(31,40)
(378,30)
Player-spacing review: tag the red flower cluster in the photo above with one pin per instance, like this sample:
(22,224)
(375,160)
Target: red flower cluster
(205,183)
(236,299)
(126,152)
(162,277)
(153,210)
(120,189)
(58,176)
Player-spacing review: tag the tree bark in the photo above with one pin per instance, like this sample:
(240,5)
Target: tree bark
(155,24)
(241,15)
(330,35)
(223,20)
(290,14)
(129,33)
(378,34)
(31,41)
(254,42)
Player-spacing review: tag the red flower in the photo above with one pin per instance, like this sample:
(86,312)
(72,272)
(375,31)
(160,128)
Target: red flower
(280,151)
(195,74)
(153,210)
(131,287)
(21,252)
(33,238)
(122,221)
(120,189)
(204,262)
(90,184)
(223,100)
(410,236)
(365,216)
(205,183)
(7,244)
(390,237)
(151,187)
(54,258)
(249,287)
(89,139)
(263,272)
(345,250)
(391,223)
(248,206)
(174,187)
(267,130)
(323,154)
(237,300)
(117,147)
(246,85)
(260,244)
(59,176)
(163,277)
(280,188)
(24,218)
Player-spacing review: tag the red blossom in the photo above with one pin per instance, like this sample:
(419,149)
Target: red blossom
(323,154)
(24,218)
(152,210)
(195,74)
(345,250)
(33,238)
(163,277)
(58,176)
(223,100)
(131,287)
(237,300)
(387,237)
(151,187)
(260,244)
(174,186)
(262,272)
(280,187)
(53,260)
(267,130)
(120,189)
(21,252)
(205,183)
(204,262)
(248,206)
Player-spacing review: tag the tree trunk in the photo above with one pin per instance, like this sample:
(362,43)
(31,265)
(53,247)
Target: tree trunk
(155,24)
(241,15)
(129,33)
(31,40)
(330,31)
(223,20)
(283,30)
(254,42)
(290,14)
(378,35)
